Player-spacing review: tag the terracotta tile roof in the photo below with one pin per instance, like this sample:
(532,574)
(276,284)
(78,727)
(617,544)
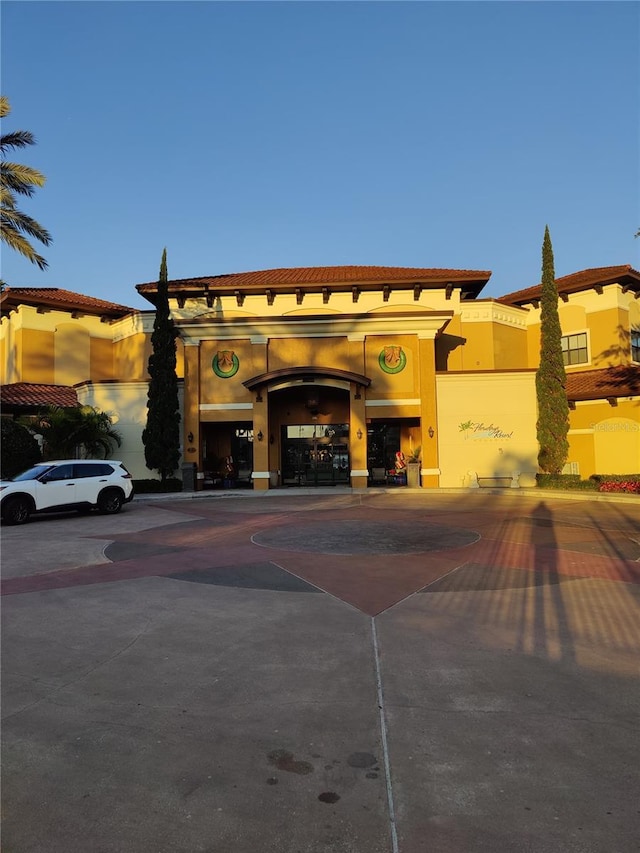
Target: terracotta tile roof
(65,300)
(472,280)
(583,280)
(623,381)
(31,395)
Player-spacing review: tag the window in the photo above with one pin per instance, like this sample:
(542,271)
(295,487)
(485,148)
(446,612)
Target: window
(60,472)
(635,344)
(93,469)
(574,349)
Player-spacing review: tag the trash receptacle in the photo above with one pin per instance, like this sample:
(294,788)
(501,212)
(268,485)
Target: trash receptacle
(189,471)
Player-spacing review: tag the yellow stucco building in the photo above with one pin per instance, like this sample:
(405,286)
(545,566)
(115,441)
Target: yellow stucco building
(323,375)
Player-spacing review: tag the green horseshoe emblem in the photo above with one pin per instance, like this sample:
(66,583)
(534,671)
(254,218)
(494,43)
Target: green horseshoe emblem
(230,371)
(402,362)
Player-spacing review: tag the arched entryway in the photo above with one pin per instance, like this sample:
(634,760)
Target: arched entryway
(310,414)
(310,428)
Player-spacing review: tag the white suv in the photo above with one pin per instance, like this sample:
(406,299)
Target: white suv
(63,485)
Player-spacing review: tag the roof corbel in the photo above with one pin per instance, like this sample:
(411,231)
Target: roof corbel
(326,293)
(239,298)
(355,293)
(417,290)
(612,401)
(386,291)
(270,296)
(448,290)
(598,289)
(299,295)
(564,297)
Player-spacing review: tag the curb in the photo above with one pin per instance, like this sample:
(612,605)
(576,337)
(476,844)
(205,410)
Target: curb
(549,494)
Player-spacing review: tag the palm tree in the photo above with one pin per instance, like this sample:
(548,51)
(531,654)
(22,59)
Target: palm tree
(69,433)
(15,180)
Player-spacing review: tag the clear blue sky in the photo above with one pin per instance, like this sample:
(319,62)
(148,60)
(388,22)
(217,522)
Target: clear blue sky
(247,136)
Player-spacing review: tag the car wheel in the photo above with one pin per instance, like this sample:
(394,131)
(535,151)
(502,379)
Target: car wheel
(16,510)
(110,501)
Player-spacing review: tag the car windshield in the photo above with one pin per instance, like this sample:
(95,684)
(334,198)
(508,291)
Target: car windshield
(31,473)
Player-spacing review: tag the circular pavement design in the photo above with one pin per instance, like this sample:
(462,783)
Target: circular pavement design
(352,536)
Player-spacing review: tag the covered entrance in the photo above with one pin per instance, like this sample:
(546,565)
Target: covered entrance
(309,424)
(315,454)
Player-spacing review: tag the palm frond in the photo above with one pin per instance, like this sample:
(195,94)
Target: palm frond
(14,218)
(16,139)
(21,179)
(16,241)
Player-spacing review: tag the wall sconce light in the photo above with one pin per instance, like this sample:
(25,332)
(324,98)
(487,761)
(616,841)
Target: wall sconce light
(359,434)
(431,432)
(190,438)
(260,436)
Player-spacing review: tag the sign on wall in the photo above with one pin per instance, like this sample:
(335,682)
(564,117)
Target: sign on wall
(479,429)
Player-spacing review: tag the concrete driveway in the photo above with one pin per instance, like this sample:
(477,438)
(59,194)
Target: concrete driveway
(336,671)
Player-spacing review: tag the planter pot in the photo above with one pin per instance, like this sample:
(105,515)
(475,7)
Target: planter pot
(413,475)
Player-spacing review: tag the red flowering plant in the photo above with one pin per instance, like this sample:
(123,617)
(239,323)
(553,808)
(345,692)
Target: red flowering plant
(630,486)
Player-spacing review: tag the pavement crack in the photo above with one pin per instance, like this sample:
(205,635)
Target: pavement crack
(81,677)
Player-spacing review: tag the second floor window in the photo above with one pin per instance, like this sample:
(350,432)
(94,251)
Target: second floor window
(574,349)
(635,344)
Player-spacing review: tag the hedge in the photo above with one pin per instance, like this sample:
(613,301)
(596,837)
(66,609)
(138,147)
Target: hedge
(629,483)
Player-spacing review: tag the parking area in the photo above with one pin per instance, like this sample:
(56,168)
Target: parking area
(328,671)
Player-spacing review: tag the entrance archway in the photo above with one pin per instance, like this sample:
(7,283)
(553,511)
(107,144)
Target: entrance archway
(309,415)
(309,425)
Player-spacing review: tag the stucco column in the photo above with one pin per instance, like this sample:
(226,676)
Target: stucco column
(357,415)
(261,441)
(430,471)
(261,469)
(358,437)
(191,413)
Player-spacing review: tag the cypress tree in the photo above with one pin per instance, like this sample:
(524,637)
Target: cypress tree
(553,409)
(161,436)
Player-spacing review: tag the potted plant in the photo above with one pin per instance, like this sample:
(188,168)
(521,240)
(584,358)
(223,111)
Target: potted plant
(413,468)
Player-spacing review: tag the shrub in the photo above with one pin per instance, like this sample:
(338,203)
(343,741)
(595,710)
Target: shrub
(20,450)
(615,478)
(629,483)
(565,482)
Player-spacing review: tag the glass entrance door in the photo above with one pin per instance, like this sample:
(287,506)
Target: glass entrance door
(315,454)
